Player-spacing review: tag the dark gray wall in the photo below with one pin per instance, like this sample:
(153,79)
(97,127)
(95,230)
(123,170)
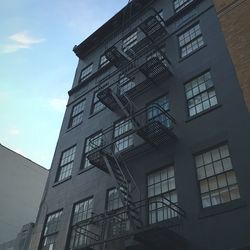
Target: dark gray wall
(221,227)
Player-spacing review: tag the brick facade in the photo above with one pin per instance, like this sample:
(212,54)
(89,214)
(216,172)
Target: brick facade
(235,23)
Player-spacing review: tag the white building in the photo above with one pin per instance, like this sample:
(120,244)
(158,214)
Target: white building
(22,182)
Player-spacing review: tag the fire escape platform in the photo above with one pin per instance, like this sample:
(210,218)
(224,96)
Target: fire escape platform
(155,68)
(96,159)
(116,57)
(160,238)
(107,98)
(156,133)
(153,28)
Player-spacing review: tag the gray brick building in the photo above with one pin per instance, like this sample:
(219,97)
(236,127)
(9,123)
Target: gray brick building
(153,151)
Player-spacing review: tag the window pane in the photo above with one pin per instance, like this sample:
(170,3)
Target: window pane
(217,184)
(199,96)
(161,184)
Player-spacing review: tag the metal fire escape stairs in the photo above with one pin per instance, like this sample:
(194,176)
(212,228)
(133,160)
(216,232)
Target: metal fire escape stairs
(106,159)
(112,163)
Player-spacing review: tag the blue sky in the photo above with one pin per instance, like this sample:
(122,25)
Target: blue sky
(37,67)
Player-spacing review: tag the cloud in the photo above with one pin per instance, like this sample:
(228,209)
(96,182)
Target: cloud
(20,40)
(14,131)
(58,104)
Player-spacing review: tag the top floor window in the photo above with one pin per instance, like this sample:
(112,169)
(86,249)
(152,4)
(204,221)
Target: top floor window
(191,40)
(129,41)
(77,114)
(103,61)
(181,4)
(86,72)
(51,230)
(66,163)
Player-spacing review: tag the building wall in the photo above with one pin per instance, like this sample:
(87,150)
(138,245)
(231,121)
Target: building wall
(215,228)
(21,187)
(234,19)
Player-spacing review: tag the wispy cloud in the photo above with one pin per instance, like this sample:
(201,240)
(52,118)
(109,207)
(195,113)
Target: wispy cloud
(14,131)
(20,40)
(58,104)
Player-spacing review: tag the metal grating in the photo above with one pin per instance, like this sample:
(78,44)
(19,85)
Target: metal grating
(156,133)
(96,159)
(155,68)
(116,57)
(153,28)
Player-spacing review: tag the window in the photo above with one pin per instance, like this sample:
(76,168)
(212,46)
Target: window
(77,114)
(86,72)
(216,177)
(66,163)
(129,41)
(103,61)
(121,128)
(91,143)
(125,84)
(181,4)
(50,232)
(119,222)
(82,213)
(156,114)
(200,94)
(190,40)
(114,200)
(96,105)
(161,189)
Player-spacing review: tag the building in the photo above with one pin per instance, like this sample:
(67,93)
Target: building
(233,16)
(22,183)
(153,151)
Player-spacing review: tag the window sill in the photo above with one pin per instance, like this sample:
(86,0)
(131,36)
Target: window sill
(222,208)
(62,181)
(192,53)
(85,170)
(93,114)
(71,128)
(203,113)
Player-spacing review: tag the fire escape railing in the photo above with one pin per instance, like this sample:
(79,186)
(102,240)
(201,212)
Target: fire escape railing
(113,225)
(140,121)
(146,57)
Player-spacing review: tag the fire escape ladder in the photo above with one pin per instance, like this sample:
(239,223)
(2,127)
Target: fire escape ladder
(123,188)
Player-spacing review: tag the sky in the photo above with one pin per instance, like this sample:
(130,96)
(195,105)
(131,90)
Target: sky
(37,67)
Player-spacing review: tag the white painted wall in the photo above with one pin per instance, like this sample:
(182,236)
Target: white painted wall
(21,187)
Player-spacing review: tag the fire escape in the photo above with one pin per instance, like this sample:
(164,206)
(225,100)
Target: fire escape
(147,59)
